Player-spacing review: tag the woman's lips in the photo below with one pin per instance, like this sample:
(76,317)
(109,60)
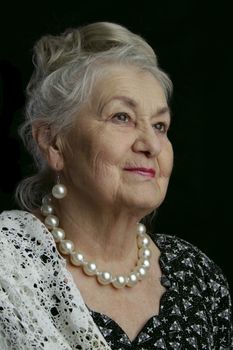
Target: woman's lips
(148,172)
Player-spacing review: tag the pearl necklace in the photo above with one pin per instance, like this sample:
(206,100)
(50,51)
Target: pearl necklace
(77,258)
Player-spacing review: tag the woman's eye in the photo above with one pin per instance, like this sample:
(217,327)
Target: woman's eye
(121,117)
(161,127)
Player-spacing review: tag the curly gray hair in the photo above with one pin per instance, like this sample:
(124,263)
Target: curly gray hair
(66,68)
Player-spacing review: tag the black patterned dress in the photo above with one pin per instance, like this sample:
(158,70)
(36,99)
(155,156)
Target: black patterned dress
(195,311)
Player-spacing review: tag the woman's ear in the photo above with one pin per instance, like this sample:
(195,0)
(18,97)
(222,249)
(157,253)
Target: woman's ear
(50,148)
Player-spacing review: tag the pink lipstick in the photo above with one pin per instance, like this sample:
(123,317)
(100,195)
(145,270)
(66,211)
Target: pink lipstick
(148,172)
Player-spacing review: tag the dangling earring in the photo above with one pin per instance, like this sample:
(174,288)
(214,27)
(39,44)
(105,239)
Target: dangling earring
(59,190)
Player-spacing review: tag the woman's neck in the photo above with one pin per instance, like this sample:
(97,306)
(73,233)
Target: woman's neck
(105,236)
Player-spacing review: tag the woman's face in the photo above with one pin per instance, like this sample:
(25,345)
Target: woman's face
(122,156)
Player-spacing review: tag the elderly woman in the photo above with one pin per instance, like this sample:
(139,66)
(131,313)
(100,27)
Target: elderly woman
(79,270)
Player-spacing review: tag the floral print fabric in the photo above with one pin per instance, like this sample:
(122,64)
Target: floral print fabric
(195,311)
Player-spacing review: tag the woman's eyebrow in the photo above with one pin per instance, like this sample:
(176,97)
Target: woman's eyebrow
(134,104)
(130,102)
(127,100)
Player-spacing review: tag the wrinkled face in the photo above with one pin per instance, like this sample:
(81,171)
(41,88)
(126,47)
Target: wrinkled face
(121,153)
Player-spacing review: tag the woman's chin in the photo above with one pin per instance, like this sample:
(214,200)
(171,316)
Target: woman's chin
(142,206)
(149,199)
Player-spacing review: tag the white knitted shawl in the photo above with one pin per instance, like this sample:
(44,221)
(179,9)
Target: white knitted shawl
(40,305)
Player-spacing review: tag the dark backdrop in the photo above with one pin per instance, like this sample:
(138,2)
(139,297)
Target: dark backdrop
(193,41)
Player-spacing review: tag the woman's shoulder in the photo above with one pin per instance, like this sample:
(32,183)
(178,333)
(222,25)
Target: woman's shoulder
(175,247)
(15,215)
(21,232)
(198,282)
(183,257)
(16,222)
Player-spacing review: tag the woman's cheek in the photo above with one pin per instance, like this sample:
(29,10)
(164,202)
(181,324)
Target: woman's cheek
(165,160)
(100,165)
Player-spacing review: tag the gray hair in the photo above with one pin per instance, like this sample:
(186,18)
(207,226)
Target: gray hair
(66,68)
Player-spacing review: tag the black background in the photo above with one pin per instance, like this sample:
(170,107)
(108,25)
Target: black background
(193,41)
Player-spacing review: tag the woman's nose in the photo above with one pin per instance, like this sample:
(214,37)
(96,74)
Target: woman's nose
(147,142)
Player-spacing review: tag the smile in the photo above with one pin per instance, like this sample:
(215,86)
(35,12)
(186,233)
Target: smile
(142,171)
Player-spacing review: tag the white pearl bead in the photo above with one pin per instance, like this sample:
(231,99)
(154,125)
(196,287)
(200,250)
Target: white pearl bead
(51,221)
(104,277)
(143,241)
(119,281)
(144,253)
(47,199)
(59,191)
(145,263)
(47,209)
(58,234)
(90,269)
(66,247)
(132,279)
(77,258)
(141,229)
(141,273)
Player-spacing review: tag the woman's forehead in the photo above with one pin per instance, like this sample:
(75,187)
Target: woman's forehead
(128,85)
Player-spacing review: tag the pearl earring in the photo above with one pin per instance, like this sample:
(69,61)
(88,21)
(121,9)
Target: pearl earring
(59,190)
